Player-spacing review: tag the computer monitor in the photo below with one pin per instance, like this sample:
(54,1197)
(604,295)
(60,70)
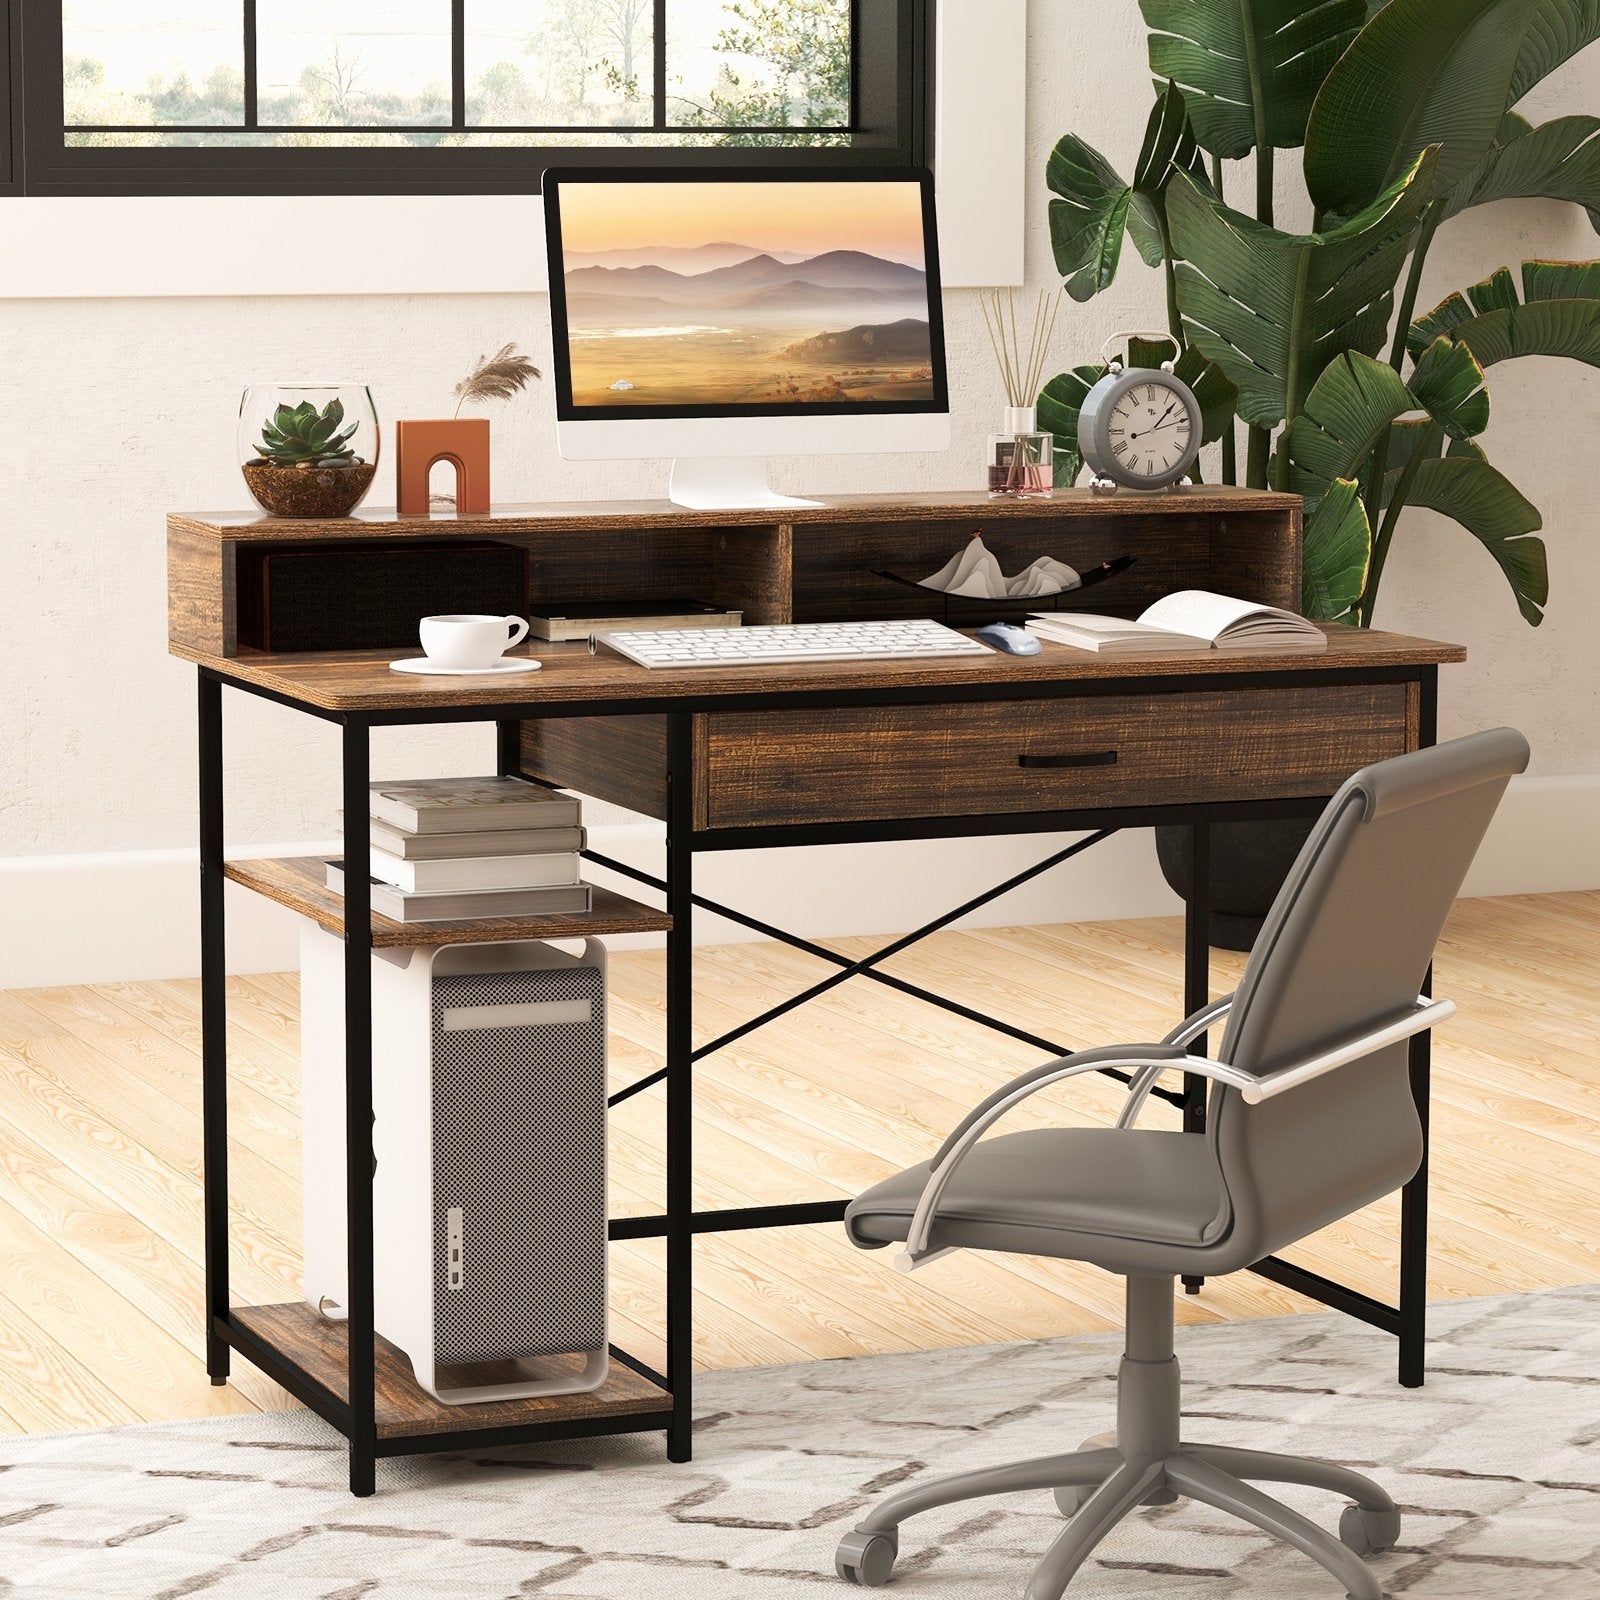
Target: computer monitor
(720,316)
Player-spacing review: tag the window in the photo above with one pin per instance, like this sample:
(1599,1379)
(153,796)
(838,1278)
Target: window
(448,96)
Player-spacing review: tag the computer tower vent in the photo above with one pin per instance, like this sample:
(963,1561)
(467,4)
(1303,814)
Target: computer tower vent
(519,1121)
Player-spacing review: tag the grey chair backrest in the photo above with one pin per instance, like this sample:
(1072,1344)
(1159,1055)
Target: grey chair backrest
(1345,949)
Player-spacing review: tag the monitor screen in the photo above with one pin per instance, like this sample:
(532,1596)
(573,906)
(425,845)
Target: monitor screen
(683,295)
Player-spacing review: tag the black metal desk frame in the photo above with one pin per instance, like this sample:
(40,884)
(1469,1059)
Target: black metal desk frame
(356,1417)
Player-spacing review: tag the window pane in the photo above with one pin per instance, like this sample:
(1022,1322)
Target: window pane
(152,64)
(359,63)
(622,143)
(560,63)
(758,63)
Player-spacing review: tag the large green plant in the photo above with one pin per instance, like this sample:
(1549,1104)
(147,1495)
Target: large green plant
(1404,114)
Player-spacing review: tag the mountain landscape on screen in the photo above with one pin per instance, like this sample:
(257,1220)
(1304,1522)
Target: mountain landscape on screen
(768,322)
(681,258)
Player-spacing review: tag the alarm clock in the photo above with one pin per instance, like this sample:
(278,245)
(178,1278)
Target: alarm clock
(1139,428)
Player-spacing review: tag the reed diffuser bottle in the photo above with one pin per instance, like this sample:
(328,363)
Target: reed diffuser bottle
(1019,458)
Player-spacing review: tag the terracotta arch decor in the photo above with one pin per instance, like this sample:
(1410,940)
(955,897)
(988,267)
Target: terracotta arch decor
(462,441)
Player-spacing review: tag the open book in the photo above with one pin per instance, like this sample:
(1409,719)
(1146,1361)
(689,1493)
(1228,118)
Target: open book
(1191,619)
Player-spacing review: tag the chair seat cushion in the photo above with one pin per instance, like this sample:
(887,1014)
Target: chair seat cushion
(1048,1190)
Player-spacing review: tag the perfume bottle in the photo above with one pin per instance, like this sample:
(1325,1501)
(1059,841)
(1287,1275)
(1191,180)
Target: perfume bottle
(1019,458)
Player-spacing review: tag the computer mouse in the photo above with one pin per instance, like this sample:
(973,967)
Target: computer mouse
(1011,637)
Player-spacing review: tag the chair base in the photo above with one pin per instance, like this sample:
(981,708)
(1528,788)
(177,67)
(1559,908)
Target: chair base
(1147,1464)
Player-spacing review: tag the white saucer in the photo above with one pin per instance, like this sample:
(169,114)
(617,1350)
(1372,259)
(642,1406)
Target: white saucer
(425,668)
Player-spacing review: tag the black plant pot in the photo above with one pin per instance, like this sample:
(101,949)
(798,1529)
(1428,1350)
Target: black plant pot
(1249,861)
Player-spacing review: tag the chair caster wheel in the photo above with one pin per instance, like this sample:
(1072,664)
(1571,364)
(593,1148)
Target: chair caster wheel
(1369,1533)
(1071,1498)
(866,1558)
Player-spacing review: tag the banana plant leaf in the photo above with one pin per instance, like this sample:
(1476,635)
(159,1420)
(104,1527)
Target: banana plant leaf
(1337,549)
(1551,280)
(1350,405)
(1249,69)
(1411,435)
(1357,400)
(1558,160)
(1059,403)
(1090,217)
(1273,309)
(1420,73)
(1489,506)
(1558,315)
(1448,384)
(1094,207)
(1213,390)
(1406,437)
(1556,31)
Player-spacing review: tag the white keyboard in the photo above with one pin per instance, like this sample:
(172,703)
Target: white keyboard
(798,641)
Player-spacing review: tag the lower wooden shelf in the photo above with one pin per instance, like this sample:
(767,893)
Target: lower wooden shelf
(319,1349)
(298,882)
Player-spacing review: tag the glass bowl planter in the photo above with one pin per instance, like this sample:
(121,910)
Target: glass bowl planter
(308,449)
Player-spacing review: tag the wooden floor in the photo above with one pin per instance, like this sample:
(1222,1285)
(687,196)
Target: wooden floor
(100,1276)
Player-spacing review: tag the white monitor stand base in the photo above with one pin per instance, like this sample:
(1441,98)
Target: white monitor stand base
(727,483)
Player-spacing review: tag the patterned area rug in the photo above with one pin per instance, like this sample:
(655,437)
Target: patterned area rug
(1496,1462)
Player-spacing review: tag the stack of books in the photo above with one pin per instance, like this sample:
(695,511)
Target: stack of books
(444,849)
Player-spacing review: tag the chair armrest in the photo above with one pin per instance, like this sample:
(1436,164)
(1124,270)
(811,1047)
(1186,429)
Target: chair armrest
(1185,1033)
(1253,1089)
(1069,1066)
(981,1118)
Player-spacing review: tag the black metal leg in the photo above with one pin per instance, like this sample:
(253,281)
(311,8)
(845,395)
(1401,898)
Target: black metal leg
(680,1085)
(508,748)
(358,1105)
(1414,1197)
(1414,1223)
(213,1026)
(1197,982)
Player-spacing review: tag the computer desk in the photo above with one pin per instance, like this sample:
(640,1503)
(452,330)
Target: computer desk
(757,757)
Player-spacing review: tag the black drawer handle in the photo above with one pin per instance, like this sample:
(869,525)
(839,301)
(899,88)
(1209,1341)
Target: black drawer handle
(1077,758)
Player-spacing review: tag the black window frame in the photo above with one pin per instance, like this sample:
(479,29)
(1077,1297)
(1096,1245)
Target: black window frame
(891,126)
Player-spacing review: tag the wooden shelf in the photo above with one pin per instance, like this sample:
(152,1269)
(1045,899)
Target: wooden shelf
(602,517)
(320,1349)
(793,564)
(298,883)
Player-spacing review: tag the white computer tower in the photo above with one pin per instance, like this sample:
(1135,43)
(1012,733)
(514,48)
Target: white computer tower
(489,1203)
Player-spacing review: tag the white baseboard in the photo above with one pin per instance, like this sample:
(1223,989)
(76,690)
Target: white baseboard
(134,915)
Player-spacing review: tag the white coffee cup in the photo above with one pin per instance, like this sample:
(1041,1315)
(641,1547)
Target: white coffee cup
(469,640)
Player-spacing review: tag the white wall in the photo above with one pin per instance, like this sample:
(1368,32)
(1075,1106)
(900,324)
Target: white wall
(120,410)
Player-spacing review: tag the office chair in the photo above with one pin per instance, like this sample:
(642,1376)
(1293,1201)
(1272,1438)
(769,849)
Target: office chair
(1311,1116)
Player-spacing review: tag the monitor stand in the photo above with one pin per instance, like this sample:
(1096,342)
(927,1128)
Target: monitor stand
(727,483)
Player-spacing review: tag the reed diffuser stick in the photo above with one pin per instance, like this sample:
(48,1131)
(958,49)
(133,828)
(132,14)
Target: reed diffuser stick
(1021,361)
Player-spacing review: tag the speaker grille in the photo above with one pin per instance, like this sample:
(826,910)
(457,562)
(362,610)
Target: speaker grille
(519,1143)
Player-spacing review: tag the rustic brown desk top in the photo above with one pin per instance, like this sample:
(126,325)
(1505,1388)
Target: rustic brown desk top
(571,678)
(599,515)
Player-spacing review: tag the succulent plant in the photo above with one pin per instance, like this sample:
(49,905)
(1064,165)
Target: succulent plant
(302,436)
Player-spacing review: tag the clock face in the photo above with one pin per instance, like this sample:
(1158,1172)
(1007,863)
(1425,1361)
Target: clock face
(1149,432)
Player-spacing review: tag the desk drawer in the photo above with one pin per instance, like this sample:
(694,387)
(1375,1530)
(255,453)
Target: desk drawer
(865,763)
